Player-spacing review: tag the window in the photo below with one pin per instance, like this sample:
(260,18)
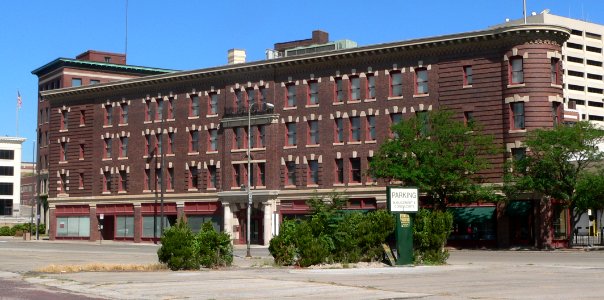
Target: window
(6,188)
(107,150)
(73,226)
(370,176)
(240,136)
(518,153)
(194,109)
(170,149)
(193,177)
(106,182)
(396,84)
(94,81)
(148,112)
(313,171)
(108,115)
(213,103)
(212,179)
(81,154)
(339,92)
(262,95)
(516,70)
(560,221)
(82,118)
(239,99)
(63,120)
(124,113)
(159,113)
(555,70)
(556,113)
(124,226)
(76,82)
(261,136)
(371,134)
(261,177)
(123,187)
(147,179)
(355,170)
(213,140)
(339,178)
(170,179)
(394,119)
(370,86)
(574,59)
(424,124)
(574,46)
(421,81)
(355,129)
(313,93)
(159,177)
(124,146)
(290,135)
(7,171)
(517,115)
(291,173)
(7,154)
(170,113)
(193,141)
(339,130)
(152,225)
(593,49)
(468,118)
(355,88)
(237,176)
(63,151)
(313,132)
(81,180)
(159,144)
(290,95)
(467,75)
(148,145)
(251,96)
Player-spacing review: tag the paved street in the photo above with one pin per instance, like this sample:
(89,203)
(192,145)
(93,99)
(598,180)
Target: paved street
(470,274)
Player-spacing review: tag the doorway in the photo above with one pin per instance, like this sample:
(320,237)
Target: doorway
(108,231)
(256,224)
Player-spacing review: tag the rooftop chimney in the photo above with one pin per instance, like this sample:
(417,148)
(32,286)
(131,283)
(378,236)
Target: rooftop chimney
(236,56)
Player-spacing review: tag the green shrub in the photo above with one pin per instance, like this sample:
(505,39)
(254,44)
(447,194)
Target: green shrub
(5,231)
(177,249)
(283,246)
(430,232)
(213,248)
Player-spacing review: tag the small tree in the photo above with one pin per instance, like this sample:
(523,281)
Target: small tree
(213,248)
(430,233)
(561,164)
(177,249)
(439,155)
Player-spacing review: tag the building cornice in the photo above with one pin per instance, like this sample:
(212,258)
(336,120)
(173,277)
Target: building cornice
(556,33)
(12,140)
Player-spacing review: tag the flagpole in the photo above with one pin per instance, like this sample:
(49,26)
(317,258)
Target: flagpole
(17,118)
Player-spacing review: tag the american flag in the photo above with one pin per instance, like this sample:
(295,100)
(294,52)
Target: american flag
(19,102)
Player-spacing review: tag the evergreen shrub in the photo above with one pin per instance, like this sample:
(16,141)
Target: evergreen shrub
(213,248)
(431,230)
(177,249)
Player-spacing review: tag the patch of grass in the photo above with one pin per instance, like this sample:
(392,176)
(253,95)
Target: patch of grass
(98,267)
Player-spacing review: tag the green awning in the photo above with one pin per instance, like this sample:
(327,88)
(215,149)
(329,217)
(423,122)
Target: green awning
(519,208)
(472,215)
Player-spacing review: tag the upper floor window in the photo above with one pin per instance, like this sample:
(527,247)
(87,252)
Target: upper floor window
(290,168)
(82,118)
(159,113)
(251,96)
(313,132)
(76,82)
(424,123)
(107,149)
(355,170)
(94,81)
(467,75)
(124,146)
(371,135)
(396,84)
(339,130)
(148,145)
(82,151)
(106,182)
(64,119)
(339,91)
(313,171)
(557,113)
(7,154)
(170,149)
(555,71)
(213,140)
(108,115)
(339,169)
(370,86)
(517,109)
(261,136)
(240,135)
(123,187)
(194,109)
(421,81)
(148,112)
(212,177)
(63,151)
(213,103)
(290,134)
(468,117)
(313,92)
(124,113)
(516,70)
(394,119)
(355,129)
(239,101)
(194,141)
(290,97)
(355,88)
(63,183)
(193,178)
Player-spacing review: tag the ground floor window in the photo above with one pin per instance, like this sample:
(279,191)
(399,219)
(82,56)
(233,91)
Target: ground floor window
(560,222)
(6,207)
(195,222)
(473,223)
(148,225)
(124,226)
(73,226)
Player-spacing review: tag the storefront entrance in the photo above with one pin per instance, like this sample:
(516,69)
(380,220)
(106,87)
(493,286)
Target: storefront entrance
(256,224)
(520,215)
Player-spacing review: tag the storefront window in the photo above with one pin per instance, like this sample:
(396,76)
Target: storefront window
(124,226)
(473,223)
(148,225)
(560,222)
(196,221)
(73,226)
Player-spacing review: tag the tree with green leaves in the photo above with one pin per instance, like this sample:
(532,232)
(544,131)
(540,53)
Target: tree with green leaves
(439,155)
(563,163)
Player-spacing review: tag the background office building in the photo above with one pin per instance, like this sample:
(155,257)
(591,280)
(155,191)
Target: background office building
(10,177)
(107,144)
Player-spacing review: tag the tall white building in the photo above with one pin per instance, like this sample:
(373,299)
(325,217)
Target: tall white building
(583,59)
(10,176)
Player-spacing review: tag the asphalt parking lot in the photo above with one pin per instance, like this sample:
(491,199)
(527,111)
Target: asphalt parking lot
(471,274)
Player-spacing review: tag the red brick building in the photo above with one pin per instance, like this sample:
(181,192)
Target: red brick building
(332,110)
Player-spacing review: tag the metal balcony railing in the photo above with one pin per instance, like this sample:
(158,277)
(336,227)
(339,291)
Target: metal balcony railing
(242,111)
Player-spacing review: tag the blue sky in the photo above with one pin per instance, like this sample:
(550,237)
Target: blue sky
(188,35)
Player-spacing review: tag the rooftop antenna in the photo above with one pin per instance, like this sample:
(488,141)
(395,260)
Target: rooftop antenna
(126,41)
(524,10)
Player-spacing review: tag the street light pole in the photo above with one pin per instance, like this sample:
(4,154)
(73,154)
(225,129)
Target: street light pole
(249,191)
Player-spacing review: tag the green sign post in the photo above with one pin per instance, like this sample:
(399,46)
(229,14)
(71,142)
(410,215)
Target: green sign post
(403,202)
